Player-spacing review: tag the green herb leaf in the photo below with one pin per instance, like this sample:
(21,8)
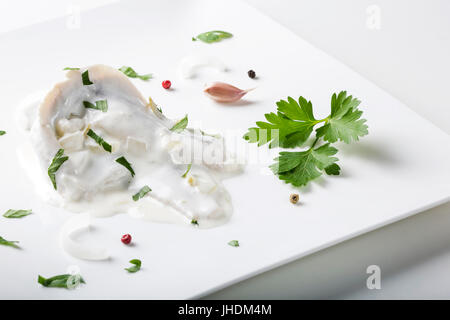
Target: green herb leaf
(344,123)
(187,170)
(16,213)
(2,132)
(298,168)
(194,39)
(291,126)
(70,68)
(85,78)
(126,164)
(5,242)
(57,162)
(144,190)
(101,105)
(194,222)
(213,36)
(180,125)
(136,266)
(106,146)
(68,281)
(333,170)
(129,71)
(234,243)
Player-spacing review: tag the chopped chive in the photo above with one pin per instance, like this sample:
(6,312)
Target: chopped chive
(126,164)
(85,78)
(144,190)
(187,170)
(106,146)
(101,105)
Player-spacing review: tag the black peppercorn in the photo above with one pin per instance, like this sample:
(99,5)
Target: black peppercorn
(251,74)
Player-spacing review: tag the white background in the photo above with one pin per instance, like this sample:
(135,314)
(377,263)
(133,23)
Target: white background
(408,57)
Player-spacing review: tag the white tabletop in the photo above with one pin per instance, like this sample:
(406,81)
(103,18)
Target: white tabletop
(403,47)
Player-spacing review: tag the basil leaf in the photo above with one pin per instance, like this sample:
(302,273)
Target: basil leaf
(85,78)
(101,105)
(137,266)
(5,242)
(16,213)
(99,140)
(129,71)
(187,171)
(180,125)
(126,164)
(57,162)
(2,132)
(234,243)
(144,190)
(68,281)
(70,68)
(214,36)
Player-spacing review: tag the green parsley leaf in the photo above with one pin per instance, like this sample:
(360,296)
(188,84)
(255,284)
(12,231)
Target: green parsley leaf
(5,242)
(16,213)
(2,132)
(180,125)
(213,36)
(194,39)
(70,68)
(57,162)
(194,222)
(187,170)
(126,164)
(85,78)
(234,243)
(101,105)
(68,281)
(344,122)
(144,190)
(136,266)
(129,71)
(291,126)
(106,146)
(298,168)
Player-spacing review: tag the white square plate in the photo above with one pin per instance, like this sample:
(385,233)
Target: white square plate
(399,169)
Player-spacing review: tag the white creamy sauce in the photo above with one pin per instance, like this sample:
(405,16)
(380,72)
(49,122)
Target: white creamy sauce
(92,182)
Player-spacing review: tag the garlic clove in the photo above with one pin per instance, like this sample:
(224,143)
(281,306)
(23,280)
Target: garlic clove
(224,92)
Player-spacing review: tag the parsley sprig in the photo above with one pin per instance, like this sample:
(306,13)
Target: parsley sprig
(292,126)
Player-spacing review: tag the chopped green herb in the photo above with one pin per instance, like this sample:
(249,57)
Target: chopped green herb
(85,78)
(180,125)
(187,170)
(128,71)
(99,140)
(126,164)
(70,68)
(5,242)
(194,222)
(101,105)
(2,132)
(292,126)
(144,190)
(194,39)
(217,136)
(234,243)
(68,281)
(57,162)
(16,213)
(213,36)
(136,266)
